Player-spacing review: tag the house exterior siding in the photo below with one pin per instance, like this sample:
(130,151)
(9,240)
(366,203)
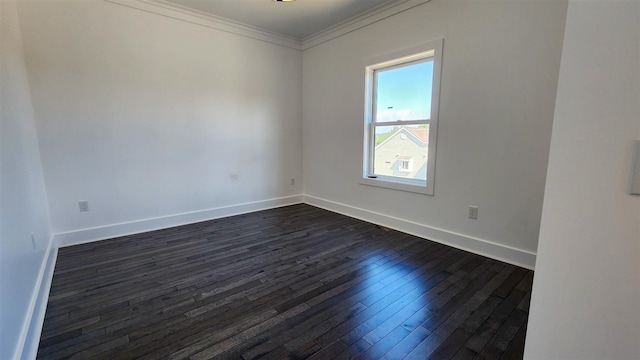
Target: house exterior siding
(401,146)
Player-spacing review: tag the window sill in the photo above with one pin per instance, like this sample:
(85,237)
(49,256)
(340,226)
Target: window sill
(396,185)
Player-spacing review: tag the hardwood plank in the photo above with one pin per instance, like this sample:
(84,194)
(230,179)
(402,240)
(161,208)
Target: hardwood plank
(516,346)
(483,334)
(288,283)
(385,344)
(464,353)
(407,344)
(330,351)
(450,347)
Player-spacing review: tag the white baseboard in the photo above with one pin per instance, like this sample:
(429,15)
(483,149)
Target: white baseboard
(30,333)
(486,248)
(32,330)
(134,227)
(30,337)
(30,349)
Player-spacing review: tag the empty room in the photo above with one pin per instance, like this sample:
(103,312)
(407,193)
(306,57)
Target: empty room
(320,179)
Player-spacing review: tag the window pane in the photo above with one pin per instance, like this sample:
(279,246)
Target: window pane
(401,151)
(404,93)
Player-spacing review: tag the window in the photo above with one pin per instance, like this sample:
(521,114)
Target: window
(401,118)
(405,165)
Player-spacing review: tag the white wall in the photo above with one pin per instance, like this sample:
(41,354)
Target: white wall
(586,290)
(146,116)
(23,204)
(500,68)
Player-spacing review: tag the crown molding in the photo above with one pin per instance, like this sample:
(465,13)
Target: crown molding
(177,12)
(374,15)
(174,11)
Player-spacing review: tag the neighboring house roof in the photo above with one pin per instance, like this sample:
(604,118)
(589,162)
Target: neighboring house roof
(421,133)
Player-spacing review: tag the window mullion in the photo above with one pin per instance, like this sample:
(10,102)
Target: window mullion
(403,122)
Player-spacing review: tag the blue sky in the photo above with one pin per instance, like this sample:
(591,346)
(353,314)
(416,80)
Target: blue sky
(405,93)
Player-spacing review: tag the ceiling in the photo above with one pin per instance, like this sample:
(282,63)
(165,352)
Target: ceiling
(298,19)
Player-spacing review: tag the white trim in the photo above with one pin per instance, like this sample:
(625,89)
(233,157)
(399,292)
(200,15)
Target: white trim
(174,11)
(31,331)
(374,15)
(30,349)
(45,274)
(32,328)
(395,183)
(177,12)
(508,254)
(81,236)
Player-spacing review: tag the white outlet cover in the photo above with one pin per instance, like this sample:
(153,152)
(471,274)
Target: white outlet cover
(83,205)
(473,212)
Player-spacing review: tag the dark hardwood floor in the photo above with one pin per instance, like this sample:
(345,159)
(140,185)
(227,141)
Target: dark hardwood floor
(289,283)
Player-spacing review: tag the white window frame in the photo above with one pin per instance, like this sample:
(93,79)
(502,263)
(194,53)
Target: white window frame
(431,50)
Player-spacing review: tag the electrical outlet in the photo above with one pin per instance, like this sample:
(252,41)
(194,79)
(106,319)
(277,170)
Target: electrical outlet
(83,205)
(33,241)
(293,181)
(473,212)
